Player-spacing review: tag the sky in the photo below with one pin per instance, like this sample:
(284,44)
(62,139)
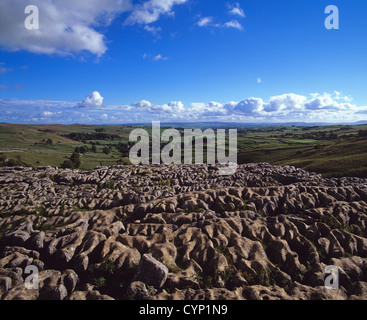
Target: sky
(125,61)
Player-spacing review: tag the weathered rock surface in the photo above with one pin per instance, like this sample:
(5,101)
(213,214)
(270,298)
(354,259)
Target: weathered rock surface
(151,272)
(181,232)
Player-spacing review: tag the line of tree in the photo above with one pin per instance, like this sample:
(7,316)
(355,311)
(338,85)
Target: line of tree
(82,136)
(82,149)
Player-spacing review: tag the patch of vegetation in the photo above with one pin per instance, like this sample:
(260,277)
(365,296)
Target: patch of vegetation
(164,182)
(110,184)
(271,276)
(110,280)
(10,226)
(334,223)
(350,287)
(41,210)
(173,268)
(4,162)
(221,250)
(209,277)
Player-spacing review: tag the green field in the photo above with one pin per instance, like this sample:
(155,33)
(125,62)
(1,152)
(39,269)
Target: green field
(331,150)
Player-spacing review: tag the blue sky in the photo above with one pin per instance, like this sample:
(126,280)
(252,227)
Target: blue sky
(182,60)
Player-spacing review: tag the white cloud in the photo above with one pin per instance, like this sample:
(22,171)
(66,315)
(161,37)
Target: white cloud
(207,109)
(94,100)
(150,11)
(48,114)
(286,107)
(233,24)
(288,101)
(174,107)
(205,21)
(328,101)
(249,106)
(159,57)
(259,80)
(105,117)
(153,30)
(338,96)
(235,9)
(289,107)
(65,27)
(143,104)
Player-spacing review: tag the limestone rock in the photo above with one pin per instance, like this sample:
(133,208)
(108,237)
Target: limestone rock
(151,272)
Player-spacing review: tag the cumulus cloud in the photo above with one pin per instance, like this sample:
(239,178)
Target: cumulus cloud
(288,107)
(338,96)
(205,21)
(173,107)
(328,101)
(143,104)
(208,109)
(288,101)
(249,106)
(108,118)
(233,24)
(94,100)
(150,11)
(236,10)
(65,26)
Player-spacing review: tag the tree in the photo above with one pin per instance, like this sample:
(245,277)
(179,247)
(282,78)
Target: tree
(67,164)
(49,141)
(12,163)
(75,159)
(94,148)
(84,149)
(106,150)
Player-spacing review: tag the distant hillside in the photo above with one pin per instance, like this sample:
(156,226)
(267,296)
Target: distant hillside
(334,150)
